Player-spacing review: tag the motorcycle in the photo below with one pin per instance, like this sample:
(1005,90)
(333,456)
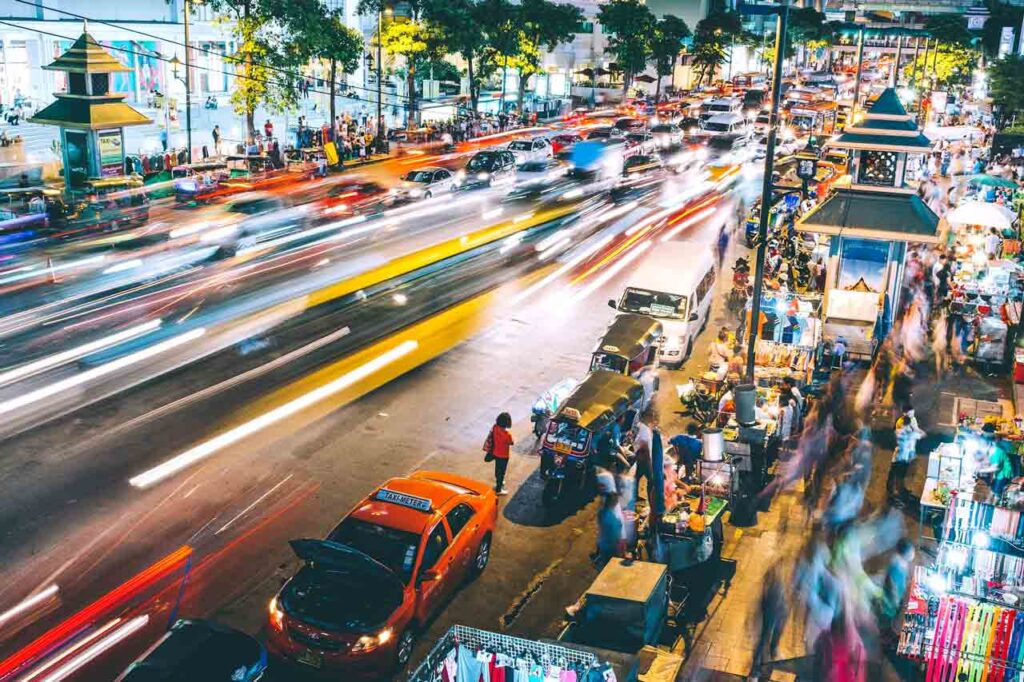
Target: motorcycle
(699,401)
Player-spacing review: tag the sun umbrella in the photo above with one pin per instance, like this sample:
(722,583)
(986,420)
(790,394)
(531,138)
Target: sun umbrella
(603,72)
(644,78)
(992,181)
(982,213)
(589,73)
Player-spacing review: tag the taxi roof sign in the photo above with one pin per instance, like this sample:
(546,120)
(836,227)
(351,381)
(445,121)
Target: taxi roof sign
(411,501)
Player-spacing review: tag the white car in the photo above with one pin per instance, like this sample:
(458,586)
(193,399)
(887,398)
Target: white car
(533,149)
(424,183)
(544,170)
(641,143)
(666,135)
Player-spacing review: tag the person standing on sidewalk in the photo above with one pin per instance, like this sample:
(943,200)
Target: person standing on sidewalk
(216,140)
(643,447)
(908,433)
(498,447)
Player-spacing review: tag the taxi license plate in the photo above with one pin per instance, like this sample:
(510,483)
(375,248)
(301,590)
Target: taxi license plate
(311,659)
(563,448)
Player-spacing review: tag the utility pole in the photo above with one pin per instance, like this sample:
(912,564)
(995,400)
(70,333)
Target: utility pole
(896,65)
(917,52)
(380,85)
(860,67)
(767,184)
(188,83)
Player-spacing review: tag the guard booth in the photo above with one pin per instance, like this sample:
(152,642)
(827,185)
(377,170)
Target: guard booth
(869,224)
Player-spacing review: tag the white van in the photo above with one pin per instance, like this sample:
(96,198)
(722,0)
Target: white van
(720,105)
(674,284)
(725,124)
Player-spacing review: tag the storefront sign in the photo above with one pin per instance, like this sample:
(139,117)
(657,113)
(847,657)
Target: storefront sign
(1006,41)
(111,152)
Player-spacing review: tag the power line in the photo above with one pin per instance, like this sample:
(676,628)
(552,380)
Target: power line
(230,58)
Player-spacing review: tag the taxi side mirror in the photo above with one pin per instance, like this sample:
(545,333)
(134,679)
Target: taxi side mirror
(694,317)
(611,303)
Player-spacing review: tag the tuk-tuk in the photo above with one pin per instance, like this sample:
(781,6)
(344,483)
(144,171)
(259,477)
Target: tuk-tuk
(102,204)
(589,412)
(252,167)
(629,345)
(306,162)
(23,214)
(198,181)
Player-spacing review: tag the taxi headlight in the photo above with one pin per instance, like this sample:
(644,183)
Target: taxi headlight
(371,642)
(415,192)
(276,615)
(483,175)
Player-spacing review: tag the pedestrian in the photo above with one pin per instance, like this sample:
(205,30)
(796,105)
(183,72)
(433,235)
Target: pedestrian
(999,463)
(722,245)
(993,243)
(498,447)
(216,140)
(908,433)
(268,129)
(688,447)
(774,613)
(895,581)
(643,446)
(719,351)
(610,542)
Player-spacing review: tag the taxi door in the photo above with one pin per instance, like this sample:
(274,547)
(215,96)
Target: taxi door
(439,572)
(464,524)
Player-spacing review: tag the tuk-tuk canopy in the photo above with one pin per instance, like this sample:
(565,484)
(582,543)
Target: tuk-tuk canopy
(629,334)
(601,399)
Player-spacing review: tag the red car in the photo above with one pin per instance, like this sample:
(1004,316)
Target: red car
(352,197)
(564,142)
(357,605)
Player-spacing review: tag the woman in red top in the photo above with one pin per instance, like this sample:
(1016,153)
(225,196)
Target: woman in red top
(499,444)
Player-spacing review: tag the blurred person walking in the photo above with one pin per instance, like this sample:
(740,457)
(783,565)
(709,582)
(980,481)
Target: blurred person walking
(774,613)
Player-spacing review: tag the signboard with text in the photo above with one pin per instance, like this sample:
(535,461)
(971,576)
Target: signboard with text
(1006,41)
(111,150)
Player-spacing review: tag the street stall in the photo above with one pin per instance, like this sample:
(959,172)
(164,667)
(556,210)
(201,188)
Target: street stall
(789,335)
(465,650)
(690,532)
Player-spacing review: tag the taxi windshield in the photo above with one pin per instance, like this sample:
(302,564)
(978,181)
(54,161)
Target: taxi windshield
(567,434)
(607,361)
(395,549)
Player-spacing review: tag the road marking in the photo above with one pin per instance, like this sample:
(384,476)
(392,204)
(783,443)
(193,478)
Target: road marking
(256,502)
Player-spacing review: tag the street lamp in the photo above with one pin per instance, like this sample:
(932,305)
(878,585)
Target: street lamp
(782,15)
(175,64)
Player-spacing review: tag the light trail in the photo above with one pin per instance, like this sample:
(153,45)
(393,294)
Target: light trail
(692,220)
(65,653)
(605,276)
(29,604)
(565,267)
(101,371)
(253,505)
(116,636)
(203,450)
(59,359)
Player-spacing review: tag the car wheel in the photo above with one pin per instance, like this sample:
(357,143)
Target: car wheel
(483,555)
(427,195)
(406,643)
(689,349)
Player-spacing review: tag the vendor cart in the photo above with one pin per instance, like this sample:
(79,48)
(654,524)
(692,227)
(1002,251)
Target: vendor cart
(686,538)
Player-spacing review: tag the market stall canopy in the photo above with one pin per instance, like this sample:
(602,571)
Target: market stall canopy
(986,180)
(982,213)
(886,127)
(874,215)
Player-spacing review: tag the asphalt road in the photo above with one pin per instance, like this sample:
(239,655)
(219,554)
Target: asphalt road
(502,330)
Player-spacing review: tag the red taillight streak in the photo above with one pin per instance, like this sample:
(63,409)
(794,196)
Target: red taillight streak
(76,623)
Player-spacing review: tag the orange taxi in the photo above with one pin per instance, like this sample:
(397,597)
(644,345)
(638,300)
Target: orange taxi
(364,592)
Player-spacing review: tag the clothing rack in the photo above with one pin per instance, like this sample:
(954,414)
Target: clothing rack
(492,641)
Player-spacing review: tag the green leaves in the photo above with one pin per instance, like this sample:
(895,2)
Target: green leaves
(711,42)
(1006,85)
(631,26)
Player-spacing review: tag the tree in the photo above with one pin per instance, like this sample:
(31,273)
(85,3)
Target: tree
(459,26)
(669,34)
(271,48)
(407,39)
(949,65)
(545,25)
(806,29)
(1000,15)
(503,36)
(630,25)
(949,29)
(712,40)
(1006,86)
(331,40)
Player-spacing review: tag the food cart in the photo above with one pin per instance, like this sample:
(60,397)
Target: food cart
(307,162)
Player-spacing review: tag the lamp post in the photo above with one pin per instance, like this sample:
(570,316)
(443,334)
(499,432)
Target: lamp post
(860,67)
(175,63)
(782,16)
(899,58)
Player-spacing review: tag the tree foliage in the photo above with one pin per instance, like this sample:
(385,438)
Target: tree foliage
(630,25)
(544,25)
(711,42)
(1001,15)
(949,29)
(949,66)
(458,25)
(1006,85)
(669,34)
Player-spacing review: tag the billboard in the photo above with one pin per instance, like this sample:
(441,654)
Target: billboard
(111,148)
